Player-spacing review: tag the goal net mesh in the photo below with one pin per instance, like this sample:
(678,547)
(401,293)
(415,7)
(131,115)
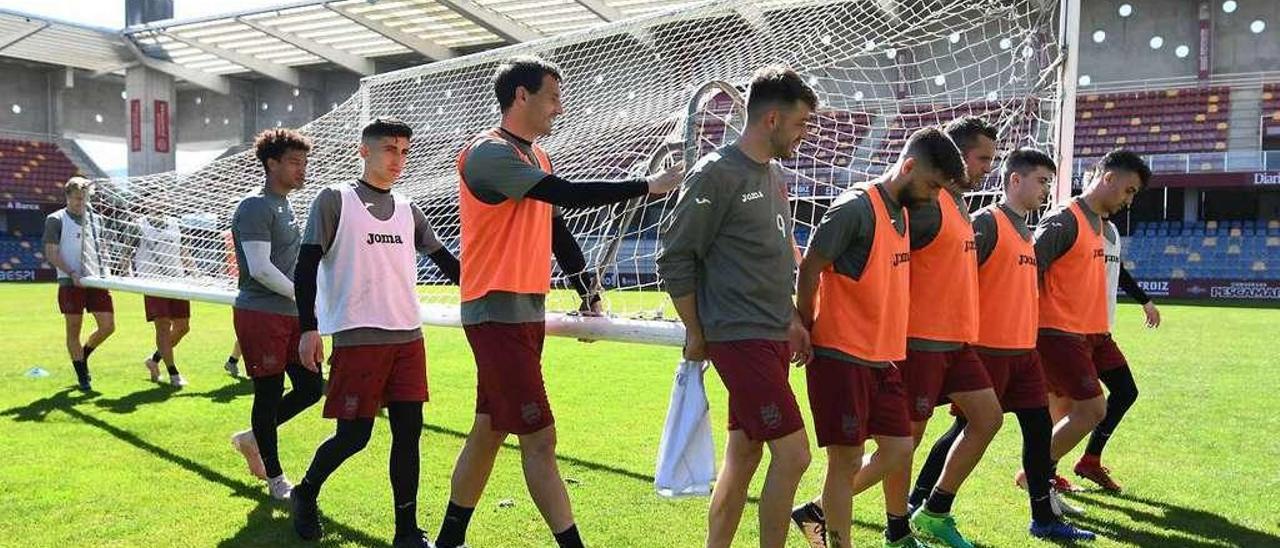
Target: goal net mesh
(638,95)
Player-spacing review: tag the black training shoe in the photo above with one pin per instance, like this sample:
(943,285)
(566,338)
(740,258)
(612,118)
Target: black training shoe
(416,539)
(812,523)
(306,514)
(84,381)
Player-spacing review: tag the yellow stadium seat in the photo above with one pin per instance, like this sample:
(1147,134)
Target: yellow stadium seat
(1200,117)
(1086,115)
(1233,249)
(1179,274)
(1175,138)
(1121,140)
(1235,233)
(1213,108)
(1210,241)
(1221,125)
(1273,223)
(1211,225)
(1171,93)
(1193,258)
(1102,131)
(1213,98)
(1154,129)
(1109,105)
(1259,266)
(1273,241)
(1219,146)
(1135,121)
(1130,265)
(1172,250)
(1268,96)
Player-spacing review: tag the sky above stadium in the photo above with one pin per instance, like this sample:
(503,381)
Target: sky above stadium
(110,13)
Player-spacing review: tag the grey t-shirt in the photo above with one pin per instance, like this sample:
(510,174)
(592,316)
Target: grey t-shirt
(322,224)
(926,221)
(265,216)
(53,235)
(1055,235)
(986,234)
(845,235)
(494,171)
(729,241)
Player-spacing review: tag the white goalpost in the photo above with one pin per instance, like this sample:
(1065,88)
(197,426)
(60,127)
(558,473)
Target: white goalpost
(640,94)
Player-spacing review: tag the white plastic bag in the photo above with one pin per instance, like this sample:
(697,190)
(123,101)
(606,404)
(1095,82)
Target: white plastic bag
(686,454)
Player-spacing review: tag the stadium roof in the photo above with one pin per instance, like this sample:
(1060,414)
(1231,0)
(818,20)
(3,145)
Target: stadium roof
(274,42)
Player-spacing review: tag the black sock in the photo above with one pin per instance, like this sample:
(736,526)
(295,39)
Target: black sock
(453,532)
(939,501)
(156,357)
(172,369)
(932,469)
(1122,392)
(569,538)
(350,437)
(896,527)
(406,432)
(233,360)
(1037,435)
(81,367)
(87,351)
(266,403)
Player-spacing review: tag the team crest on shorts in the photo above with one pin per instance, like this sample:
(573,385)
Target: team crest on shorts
(849,424)
(922,405)
(771,415)
(531,413)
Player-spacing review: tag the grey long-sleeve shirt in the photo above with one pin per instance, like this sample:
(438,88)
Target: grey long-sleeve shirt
(729,241)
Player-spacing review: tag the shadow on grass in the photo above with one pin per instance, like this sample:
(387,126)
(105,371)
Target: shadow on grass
(226,394)
(1187,527)
(36,411)
(129,403)
(589,465)
(262,526)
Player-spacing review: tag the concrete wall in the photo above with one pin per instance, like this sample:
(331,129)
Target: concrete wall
(91,107)
(29,89)
(1126,53)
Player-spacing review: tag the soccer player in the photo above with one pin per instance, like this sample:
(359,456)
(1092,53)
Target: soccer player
(1008,310)
(160,255)
(265,316)
(65,233)
(853,294)
(1070,255)
(356,279)
(1113,368)
(728,259)
(942,327)
(508,196)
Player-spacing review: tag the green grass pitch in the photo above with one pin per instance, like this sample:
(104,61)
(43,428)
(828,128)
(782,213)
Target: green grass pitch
(140,464)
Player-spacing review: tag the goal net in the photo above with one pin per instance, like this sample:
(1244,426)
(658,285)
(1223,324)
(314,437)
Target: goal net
(638,95)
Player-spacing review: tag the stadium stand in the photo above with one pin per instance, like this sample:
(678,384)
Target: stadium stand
(33,171)
(1248,250)
(19,253)
(1168,121)
(1271,107)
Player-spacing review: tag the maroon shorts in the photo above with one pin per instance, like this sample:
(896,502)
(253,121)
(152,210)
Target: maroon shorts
(931,375)
(77,300)
(754,372)
(160,307)
(364,378)
(268,341)
(1069,366)
(852,402)
(1018,380)
(509,386)
(1106,355)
